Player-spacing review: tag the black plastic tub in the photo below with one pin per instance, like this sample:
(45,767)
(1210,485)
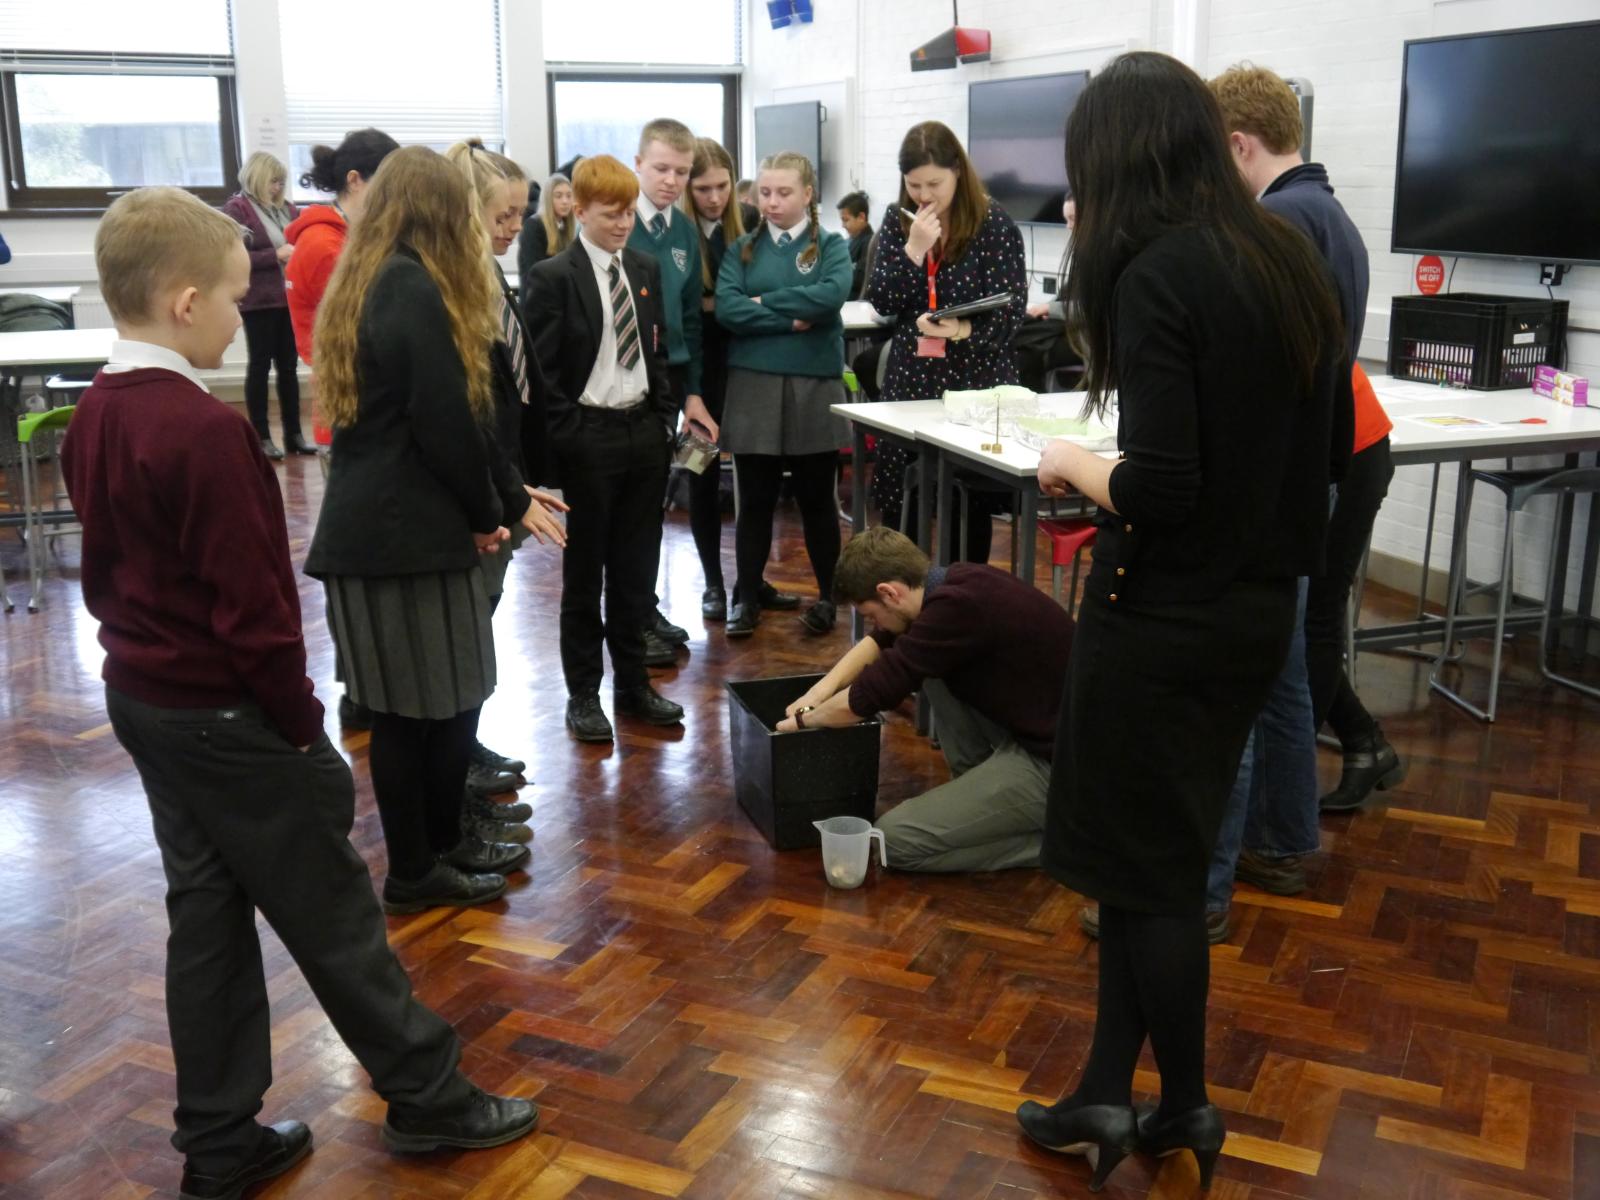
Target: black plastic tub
(785,781)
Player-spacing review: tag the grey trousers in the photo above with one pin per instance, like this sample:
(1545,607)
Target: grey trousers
(990,815)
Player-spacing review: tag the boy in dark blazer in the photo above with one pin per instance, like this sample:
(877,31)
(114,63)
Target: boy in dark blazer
(599,335)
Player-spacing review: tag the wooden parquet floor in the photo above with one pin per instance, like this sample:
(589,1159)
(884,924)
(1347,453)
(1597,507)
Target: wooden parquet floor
(702,1018)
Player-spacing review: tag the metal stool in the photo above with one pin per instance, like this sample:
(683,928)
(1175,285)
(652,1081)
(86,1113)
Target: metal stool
(41,523)
(1518,487)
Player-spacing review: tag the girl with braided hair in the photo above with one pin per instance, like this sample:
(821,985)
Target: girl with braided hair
(779,293)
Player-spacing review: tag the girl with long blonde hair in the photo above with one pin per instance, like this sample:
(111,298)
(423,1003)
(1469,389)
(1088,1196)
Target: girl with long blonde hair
(403,343)
(779,296)
(553,228)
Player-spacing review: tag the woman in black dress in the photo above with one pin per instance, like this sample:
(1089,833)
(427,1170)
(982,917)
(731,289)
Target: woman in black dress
(947,243)
(1216,324)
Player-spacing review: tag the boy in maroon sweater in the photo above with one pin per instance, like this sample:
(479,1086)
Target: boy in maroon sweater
(186,566)
(990,653)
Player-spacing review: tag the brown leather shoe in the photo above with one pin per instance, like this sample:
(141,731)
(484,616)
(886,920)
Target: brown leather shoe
(1280,876)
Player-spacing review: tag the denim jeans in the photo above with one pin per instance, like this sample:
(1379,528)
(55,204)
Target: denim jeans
(1273,806)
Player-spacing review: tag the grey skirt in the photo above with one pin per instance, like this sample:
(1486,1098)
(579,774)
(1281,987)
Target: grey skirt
(782,414)
(413,645)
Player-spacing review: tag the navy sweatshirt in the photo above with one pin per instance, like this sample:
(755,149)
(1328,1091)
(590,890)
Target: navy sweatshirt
(1303,197)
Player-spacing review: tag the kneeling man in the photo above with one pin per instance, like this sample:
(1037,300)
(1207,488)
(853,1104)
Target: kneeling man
(990,653)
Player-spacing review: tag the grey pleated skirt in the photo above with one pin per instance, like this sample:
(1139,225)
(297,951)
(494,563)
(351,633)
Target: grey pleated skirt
(782,414)
(414,645)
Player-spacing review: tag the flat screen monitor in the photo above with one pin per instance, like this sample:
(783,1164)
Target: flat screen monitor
(1499,153)
(1015,138)
(781,127)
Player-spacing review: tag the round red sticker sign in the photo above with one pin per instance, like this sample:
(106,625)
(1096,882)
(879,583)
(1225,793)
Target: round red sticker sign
(1430,274)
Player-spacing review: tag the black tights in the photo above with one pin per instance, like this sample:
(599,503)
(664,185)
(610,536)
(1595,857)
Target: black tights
(419,773)
(760,479)
(705,521)
(1154,975)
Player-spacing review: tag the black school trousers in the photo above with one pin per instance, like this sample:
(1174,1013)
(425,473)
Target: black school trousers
(247,823)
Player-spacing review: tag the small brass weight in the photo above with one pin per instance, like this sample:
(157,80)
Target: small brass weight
(994,447)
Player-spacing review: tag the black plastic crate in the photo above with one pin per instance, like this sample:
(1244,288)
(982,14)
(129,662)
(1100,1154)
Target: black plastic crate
(1473,340)
(785,781)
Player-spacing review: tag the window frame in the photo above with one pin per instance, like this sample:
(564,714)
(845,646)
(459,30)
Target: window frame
(731,79)
(25,200)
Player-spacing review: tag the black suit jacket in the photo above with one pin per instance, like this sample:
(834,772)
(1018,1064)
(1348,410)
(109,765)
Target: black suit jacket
(562,306)
(517,451)
(410,480)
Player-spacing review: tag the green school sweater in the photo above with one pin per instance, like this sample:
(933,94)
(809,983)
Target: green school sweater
(764,338)
(677,251)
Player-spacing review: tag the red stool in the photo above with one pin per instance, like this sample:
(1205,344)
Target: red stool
(1069,537)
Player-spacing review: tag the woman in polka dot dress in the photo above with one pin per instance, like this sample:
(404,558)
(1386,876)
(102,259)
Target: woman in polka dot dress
(949,244)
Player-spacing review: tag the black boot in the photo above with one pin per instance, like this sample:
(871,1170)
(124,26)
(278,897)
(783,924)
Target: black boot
(664,629)
(587,719)
(282,1145)
(647,704)
(1108,1129)
(658,652)
(472,853)
(1369,763)
(1200,1131)
(485,1121)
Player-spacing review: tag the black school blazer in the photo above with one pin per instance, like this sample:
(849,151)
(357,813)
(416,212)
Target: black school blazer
(563,310)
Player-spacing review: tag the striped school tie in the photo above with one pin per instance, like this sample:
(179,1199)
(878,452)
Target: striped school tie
(785,238)
(511,335)
(623,319)
(658,224)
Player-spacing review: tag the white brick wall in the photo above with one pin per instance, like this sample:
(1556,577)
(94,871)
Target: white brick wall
(1349,49)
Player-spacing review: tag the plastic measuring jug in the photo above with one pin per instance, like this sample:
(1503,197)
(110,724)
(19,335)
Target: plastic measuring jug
(846,844)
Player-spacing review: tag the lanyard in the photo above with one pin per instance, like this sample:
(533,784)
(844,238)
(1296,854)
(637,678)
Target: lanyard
(933,260)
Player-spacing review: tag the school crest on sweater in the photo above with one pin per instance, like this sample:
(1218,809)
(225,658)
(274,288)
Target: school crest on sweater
(680,258)
(805,267)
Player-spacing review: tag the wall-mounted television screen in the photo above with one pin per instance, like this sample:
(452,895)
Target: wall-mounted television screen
(1499,152)
(1015,138)
(782,127)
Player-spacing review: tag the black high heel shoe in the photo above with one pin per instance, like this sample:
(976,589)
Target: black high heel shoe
(1200,1131)
(1107,1129)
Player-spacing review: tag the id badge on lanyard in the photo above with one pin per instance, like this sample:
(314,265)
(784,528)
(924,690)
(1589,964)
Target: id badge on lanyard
(931,347)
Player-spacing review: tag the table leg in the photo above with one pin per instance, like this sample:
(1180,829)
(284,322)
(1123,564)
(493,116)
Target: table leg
(858,506)
(1586,580)
(1027,530)
(944,505)
(1566,505)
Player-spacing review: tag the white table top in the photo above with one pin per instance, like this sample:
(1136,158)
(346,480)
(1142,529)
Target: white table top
(1556,428)
(903,418)
(61,295)
(56,347)
(860,317)
(966,442)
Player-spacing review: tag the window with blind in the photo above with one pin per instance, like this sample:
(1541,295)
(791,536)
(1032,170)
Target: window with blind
(423,74)
(101,96)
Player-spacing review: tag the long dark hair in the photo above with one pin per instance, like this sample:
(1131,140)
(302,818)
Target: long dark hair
(932,143)
(361,151)
(1147,153)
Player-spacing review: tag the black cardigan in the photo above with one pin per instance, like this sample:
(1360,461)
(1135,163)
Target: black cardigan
(1227,458)
(408,482)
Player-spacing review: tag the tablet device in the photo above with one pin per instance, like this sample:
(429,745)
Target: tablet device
(973,307)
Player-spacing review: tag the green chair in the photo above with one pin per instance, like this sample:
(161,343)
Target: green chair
(36,517)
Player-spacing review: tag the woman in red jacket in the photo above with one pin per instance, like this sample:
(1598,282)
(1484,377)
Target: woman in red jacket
(261,207)
(318,234)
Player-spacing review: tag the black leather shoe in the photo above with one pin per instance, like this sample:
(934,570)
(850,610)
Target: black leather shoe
(1200,1131)
(488,829)
(647,704)
(493,810)
(487,781)
(444,886)
(353,717)
(714,603)
(658,652)
(1369,764)
(472,853)
(481,756)
(295,444)
(486,1121)
(270,449)
(282,1145)
(744,620)
(820,617)
(664,629)
(775,601)
(1108,1129)
(1280,876)
(587,719)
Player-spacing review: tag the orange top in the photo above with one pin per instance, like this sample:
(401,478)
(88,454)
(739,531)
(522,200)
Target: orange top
(1372,423)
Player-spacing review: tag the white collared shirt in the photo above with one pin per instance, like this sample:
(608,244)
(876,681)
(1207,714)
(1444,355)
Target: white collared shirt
(708,226)
(129,355)
(647,212)
(609,385)
(794,231)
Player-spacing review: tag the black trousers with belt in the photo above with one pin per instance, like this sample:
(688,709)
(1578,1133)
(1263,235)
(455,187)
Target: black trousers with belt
(246,822)
(613,467)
